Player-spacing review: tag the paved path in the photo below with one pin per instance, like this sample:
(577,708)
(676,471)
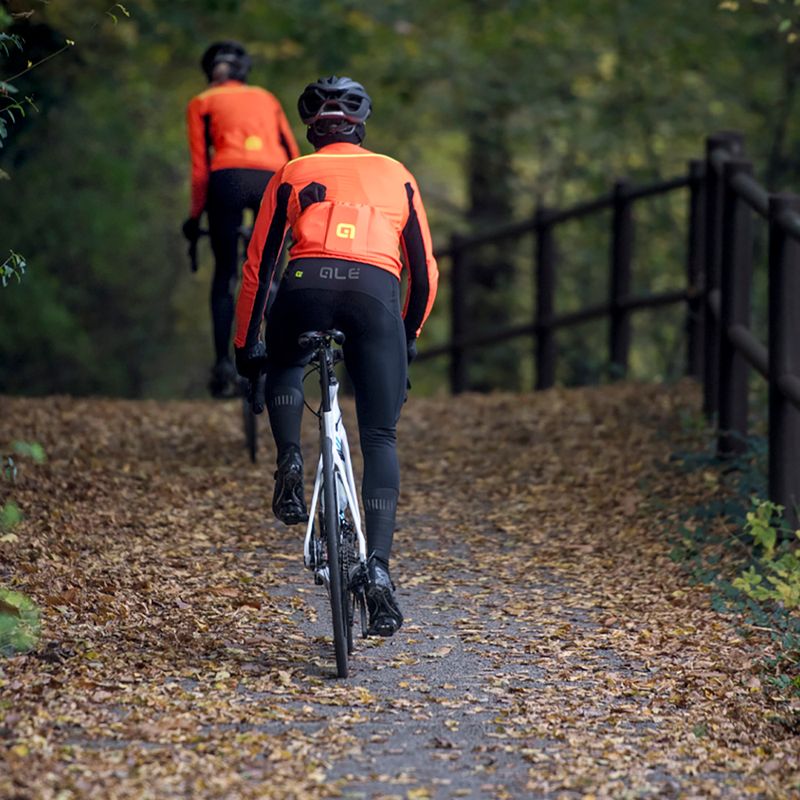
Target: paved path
(551,649)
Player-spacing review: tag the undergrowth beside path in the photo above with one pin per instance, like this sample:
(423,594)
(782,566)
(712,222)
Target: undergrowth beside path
(551,646)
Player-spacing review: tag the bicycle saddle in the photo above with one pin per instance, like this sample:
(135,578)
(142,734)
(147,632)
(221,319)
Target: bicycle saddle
(314,339)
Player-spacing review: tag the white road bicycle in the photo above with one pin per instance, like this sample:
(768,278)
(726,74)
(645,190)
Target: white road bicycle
(335,548)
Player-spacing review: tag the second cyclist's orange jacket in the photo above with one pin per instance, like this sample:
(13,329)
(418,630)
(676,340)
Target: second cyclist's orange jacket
(343,202)
(235,126)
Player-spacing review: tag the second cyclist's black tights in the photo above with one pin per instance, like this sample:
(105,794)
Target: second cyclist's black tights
(230,192)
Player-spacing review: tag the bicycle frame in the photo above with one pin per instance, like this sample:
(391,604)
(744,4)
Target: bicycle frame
(334,435)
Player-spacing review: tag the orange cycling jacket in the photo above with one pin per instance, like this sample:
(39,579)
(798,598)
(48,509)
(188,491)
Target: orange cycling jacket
(235,126)
(342,202)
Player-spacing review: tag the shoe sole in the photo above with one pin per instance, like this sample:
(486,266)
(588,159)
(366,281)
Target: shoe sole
(390,618)
(383,630)
(290,491)
(291,519)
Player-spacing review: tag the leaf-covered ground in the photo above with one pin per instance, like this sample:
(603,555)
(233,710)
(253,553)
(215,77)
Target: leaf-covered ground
(551,648)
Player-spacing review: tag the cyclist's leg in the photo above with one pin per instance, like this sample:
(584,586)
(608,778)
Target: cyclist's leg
(293,312)
(375,355)
(225,206)
(255,182)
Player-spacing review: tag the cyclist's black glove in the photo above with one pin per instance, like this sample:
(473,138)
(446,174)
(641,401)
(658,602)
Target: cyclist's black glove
(411,354)
(255,394)
(251,361)
(191,229)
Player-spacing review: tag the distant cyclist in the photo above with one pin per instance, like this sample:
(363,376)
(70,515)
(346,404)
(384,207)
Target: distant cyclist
(238,137)
(351,212)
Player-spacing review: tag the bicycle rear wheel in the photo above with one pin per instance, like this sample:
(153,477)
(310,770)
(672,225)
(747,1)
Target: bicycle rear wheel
(338,581)
(353,574)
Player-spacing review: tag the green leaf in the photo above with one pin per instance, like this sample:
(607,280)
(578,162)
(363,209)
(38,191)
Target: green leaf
(10,515)
(20,623)
(32,450)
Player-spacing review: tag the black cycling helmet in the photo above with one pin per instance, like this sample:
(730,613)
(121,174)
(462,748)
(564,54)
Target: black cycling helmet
(228,52)
(334,98)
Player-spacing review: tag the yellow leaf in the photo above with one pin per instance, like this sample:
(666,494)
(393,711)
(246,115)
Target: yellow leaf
(285,677)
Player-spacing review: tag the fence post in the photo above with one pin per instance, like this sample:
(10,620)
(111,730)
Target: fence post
(620,284)
(733,144)
(784,358)
(695,273)
(458,316)
(545,294)
(736,277)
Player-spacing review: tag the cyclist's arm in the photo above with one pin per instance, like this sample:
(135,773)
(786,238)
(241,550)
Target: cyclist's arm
(197,124)
(262,261)
(423,274)
(288,142)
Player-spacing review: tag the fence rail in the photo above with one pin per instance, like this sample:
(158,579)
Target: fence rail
(724,202)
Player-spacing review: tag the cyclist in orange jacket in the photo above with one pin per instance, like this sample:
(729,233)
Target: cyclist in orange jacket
(351,213)
(238,137)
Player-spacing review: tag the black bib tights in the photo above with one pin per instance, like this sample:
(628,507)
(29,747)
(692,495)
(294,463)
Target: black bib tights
(362,301)
(230,192)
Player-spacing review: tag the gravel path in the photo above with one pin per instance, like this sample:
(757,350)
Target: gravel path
(551,649)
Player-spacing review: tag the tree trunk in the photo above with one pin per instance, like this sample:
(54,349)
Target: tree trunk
(491,290)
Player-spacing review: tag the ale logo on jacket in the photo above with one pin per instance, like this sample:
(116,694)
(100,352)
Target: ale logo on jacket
(344,230)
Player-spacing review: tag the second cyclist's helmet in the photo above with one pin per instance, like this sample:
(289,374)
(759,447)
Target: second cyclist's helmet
(334,98)
(227,52)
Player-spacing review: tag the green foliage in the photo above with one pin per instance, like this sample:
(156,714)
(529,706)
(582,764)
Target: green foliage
(12,267)
(10,515)
(19,616)
(759,524)
(20,623)
(9,471)
(7,41)
(117,7)
(112,308)
(32,450)
(745,553)
(8,105)
(776,576)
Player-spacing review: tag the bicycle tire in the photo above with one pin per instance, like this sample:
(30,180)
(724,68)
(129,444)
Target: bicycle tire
(348,558)
(337,586)
(250,425)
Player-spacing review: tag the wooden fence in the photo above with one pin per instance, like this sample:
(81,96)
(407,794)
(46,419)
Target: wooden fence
(724,201)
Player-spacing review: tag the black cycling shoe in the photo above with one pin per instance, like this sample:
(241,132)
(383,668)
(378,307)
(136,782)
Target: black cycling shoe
(385,617)
(288,501)
(224,382)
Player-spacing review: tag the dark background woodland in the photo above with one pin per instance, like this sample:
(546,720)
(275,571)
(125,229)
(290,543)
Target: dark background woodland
(495,106)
